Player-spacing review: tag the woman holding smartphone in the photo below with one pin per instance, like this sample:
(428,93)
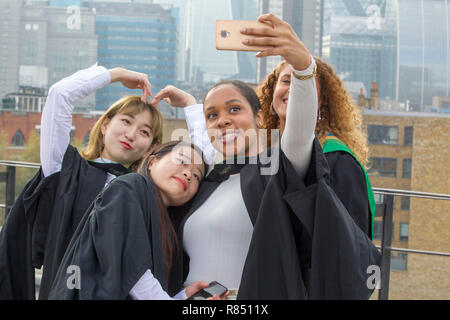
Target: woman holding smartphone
(253,232)
(339,131)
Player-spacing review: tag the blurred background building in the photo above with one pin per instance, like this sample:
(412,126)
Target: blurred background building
(305,17)
(411,151)
(137,36)
(402,45)
(394,56)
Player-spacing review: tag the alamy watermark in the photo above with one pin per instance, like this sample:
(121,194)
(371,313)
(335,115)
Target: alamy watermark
(374,279)
(73,22)
(235,146)
(74,279)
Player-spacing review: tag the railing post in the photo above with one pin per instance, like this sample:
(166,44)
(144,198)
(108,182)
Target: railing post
(10,188)
(386,247)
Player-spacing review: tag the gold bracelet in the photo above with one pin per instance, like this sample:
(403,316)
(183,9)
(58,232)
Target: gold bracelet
(306,77)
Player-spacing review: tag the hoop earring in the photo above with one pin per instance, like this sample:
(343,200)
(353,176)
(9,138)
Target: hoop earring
(271,110)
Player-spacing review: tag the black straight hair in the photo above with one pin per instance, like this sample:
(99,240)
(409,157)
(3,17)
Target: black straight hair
(244,89)
(169,237)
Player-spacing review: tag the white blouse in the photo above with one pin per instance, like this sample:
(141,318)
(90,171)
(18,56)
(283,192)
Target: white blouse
(217,235)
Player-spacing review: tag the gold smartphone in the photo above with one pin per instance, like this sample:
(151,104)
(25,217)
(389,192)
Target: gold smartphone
(229,36)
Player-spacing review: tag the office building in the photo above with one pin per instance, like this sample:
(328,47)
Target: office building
(136,36)
(411,151)
(403,45)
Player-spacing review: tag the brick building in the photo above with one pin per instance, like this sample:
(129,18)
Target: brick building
(18,127)
(411,151)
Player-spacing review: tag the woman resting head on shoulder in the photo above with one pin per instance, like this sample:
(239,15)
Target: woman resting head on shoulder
(126,242)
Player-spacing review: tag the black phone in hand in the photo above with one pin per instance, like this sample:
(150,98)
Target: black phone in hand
(214,288)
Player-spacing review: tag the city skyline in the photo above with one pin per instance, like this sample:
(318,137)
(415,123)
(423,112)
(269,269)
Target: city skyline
(366,41)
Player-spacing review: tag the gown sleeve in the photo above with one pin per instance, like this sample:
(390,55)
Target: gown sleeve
(348,182)
(118,240)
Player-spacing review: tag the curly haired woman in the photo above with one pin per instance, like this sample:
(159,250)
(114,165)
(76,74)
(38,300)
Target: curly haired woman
(339,131)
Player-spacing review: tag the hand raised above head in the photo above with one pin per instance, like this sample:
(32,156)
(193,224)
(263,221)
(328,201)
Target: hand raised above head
(175,97)
(281,40)
(132,80)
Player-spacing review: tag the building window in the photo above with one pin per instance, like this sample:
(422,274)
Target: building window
(18,139)
(404,231)
(378,230)
(383,134)
(383,167)
(393,231)
(399,261)
(379,198)
(408,138)
(406,168)
(405,203)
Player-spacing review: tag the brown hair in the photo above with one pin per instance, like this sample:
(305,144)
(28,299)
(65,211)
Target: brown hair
(132,105)
(169,237)
(338,113)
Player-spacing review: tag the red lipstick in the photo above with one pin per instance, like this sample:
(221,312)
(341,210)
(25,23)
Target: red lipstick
(182,182)
(126,145)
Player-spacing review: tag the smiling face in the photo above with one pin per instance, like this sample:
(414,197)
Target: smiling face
(230,121)
(177,175)
(281,93)
(127,137)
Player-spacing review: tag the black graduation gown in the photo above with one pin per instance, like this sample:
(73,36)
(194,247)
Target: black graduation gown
(42,222)
(348,182)
(304,244)
(117,241)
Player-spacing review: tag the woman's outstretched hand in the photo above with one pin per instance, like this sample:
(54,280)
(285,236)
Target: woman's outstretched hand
(281,40)
(132,80)
(175,97)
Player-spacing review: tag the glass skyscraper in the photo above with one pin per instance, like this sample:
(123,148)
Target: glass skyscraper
(423,70)
(206,64)
(139,37)
(403,45)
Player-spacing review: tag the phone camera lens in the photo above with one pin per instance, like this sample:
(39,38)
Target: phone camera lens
(224,34)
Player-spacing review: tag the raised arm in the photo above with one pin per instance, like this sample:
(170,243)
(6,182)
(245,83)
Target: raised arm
(195,118)
(301,114)
(56,121)
(298,134)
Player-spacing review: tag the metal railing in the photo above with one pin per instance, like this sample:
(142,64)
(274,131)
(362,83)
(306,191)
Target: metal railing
(9,177)
(384,210)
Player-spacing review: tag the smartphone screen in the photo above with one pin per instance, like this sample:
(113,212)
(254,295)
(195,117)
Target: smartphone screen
(214,288)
